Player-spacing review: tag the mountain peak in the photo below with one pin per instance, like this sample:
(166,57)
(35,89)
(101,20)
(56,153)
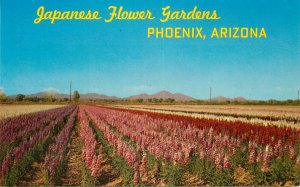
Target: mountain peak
(163,92)
(162,95)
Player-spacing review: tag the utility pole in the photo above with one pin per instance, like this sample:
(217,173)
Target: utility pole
(70,91)
(209,95)
(298,96)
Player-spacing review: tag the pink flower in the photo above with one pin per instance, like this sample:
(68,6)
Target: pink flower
(291,152)
(136,178)
(259,157)
(218,161)
(226,162)
(266,161)
(298,161)
(251,156)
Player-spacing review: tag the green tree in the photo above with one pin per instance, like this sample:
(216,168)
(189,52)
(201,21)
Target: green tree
(20,97)
(3,97)
(140,100)
(76,95)
(155,100)
(169,100)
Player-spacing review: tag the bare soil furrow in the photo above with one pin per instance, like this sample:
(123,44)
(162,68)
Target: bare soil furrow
(73,173)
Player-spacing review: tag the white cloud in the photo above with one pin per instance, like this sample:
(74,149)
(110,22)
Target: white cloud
(51,89)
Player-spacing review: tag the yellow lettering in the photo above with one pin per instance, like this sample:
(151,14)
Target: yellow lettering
(215,33)
(39,13)
(150,31)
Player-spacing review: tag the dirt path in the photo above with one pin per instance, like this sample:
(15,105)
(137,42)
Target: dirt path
(191,180)
(73,174)
(109,175)
(34,176)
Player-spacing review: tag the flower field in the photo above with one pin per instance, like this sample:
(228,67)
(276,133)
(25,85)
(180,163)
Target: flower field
(260,115)
(118,146)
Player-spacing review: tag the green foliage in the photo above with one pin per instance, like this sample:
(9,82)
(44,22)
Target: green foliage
(125,170)
(87,180)
(60,170)
(130,142)
(207,171)
(33,99)
(21,167)
(169,100)
(20,97)
(281,170)
(140,100)
(100,137)
(76,96)
(3,97)
(34,154)
(260,178)
(296,174)
(223,177)
(62,165)
(239,159)
(151,162)
(172,173)
(3,151)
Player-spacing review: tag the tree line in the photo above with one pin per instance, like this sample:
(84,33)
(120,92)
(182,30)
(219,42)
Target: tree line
(50,98)
(47,98)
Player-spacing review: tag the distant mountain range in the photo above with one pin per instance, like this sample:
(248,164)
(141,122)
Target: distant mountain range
(58,95)
(163,95)
(49,93)
(97,96)
(158,95)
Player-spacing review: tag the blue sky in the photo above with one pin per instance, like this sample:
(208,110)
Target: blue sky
(118,59)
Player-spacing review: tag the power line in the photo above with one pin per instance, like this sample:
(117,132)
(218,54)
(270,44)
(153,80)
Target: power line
(70,91)
(209,95)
